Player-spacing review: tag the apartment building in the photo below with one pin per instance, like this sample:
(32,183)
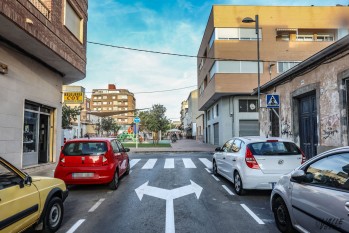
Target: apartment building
(191,114)
(118,103)
(227,59)
(42,47)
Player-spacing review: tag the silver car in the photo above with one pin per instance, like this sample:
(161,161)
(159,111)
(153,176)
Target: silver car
(315,196)
(256,162)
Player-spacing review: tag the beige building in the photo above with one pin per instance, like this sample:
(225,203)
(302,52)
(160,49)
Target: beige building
(190,115)
(118,103)
(313,99)
(42,47)
(227,58)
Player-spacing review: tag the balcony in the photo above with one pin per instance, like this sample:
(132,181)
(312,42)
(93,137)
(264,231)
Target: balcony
(41,7)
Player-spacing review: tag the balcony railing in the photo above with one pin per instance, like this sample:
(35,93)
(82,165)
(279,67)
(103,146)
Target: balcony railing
(41,7)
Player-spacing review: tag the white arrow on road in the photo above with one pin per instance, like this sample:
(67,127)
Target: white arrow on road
(169,196)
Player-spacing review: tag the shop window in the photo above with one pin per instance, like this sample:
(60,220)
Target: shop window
(30,131)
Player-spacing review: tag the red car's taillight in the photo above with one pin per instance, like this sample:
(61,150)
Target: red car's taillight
(250,160)
(104,161)
(61,161)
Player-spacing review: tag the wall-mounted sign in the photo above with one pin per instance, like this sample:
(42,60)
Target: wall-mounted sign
(73,97)
(273,101)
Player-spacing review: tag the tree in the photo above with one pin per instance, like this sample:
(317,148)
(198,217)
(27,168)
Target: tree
(109,125)
(69,114)
(155,120)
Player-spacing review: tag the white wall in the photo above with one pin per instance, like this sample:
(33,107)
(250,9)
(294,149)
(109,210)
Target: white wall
(26,80)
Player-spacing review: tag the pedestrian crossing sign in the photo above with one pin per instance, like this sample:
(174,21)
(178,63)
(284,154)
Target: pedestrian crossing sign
(273,101)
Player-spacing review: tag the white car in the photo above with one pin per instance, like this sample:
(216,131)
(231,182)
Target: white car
(256,162)
(315,196)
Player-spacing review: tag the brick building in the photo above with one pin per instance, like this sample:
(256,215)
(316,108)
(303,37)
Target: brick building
(118,103)
(42,47)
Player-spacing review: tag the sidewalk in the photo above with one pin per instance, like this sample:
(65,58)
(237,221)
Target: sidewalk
(183,145)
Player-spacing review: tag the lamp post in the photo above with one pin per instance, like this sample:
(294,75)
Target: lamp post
(250,20)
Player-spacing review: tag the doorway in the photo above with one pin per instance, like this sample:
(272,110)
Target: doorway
(308,125)
(43,138)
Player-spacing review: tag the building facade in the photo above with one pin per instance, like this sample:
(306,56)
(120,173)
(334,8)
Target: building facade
(191,113)
(118,103)
(227,59)
(313,101)
(42,47)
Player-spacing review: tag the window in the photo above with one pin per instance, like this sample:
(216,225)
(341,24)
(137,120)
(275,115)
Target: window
(227,146)
(8,177)
(201,89)
(324,37)
(115,146)
(122,97)
(113,97)
(217,110)
(234,34)
(105,97)
(235,67)
(274,119)
(248,105)
(286,65)
(73,21)
(236,145)
(212,39)
(209,115)
(309,37)
(201,64)
(105,102)
(331,171)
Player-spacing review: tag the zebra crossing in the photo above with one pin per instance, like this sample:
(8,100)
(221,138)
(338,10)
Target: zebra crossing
(170,163)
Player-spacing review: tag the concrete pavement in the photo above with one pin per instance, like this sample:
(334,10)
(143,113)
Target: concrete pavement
(183,145)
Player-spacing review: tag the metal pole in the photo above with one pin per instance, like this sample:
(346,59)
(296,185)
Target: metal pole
(136,135)
(258,70)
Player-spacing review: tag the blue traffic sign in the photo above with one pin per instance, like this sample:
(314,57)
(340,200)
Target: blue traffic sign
(273,101)
(137,120)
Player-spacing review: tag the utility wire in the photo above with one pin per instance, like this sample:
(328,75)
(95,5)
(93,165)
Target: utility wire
(170,54)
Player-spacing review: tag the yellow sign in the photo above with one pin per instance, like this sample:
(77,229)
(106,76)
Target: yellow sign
(73,97)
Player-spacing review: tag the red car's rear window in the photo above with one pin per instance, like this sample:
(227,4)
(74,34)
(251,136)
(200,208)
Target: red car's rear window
(84,148)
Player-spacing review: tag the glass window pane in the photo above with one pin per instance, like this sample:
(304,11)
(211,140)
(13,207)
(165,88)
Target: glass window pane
(332,171)
(228,67)
(30,132)
(227,33)
(72,21)
(249,67)
(242,105)
(248,34)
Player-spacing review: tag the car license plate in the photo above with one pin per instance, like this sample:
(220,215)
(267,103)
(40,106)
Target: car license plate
(82,175)
(273,184)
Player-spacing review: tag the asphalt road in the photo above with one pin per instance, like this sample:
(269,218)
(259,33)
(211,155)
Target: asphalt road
(181,195)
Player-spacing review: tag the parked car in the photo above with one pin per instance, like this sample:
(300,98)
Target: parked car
(93,161)
(26,201)
(315,196)
(256,162)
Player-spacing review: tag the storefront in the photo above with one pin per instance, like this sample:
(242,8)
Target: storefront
(37,139)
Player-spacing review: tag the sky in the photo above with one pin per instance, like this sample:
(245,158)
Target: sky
(169,26)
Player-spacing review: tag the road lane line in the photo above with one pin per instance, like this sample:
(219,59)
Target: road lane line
(188,163)
(95,206)
(215,177)
(207,162)
(208,170)
(149,164)
(133,162)
(228,190)
(75,226)
(169,163)
(253,215)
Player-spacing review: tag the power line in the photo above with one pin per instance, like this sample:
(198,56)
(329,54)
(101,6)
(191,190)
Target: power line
(170,54)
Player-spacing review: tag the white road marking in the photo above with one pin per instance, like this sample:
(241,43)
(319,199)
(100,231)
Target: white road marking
(133,162)
(95,206)
(228,190)
(208,170)
(253,215)
(149,164)
(188,163)
(169,196)
(75,226)
(207,162)
(169,163)
(215,177)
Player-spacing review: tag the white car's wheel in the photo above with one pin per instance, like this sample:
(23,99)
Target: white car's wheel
(214,168)
(238,186)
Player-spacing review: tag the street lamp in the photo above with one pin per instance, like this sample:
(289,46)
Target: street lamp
(250,20)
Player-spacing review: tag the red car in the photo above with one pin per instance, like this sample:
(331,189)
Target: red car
(93,161)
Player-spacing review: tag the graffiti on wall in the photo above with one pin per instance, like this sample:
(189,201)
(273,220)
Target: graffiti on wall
(330,124)
(285,127)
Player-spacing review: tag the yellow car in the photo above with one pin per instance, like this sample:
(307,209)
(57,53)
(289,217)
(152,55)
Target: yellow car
(29,201)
